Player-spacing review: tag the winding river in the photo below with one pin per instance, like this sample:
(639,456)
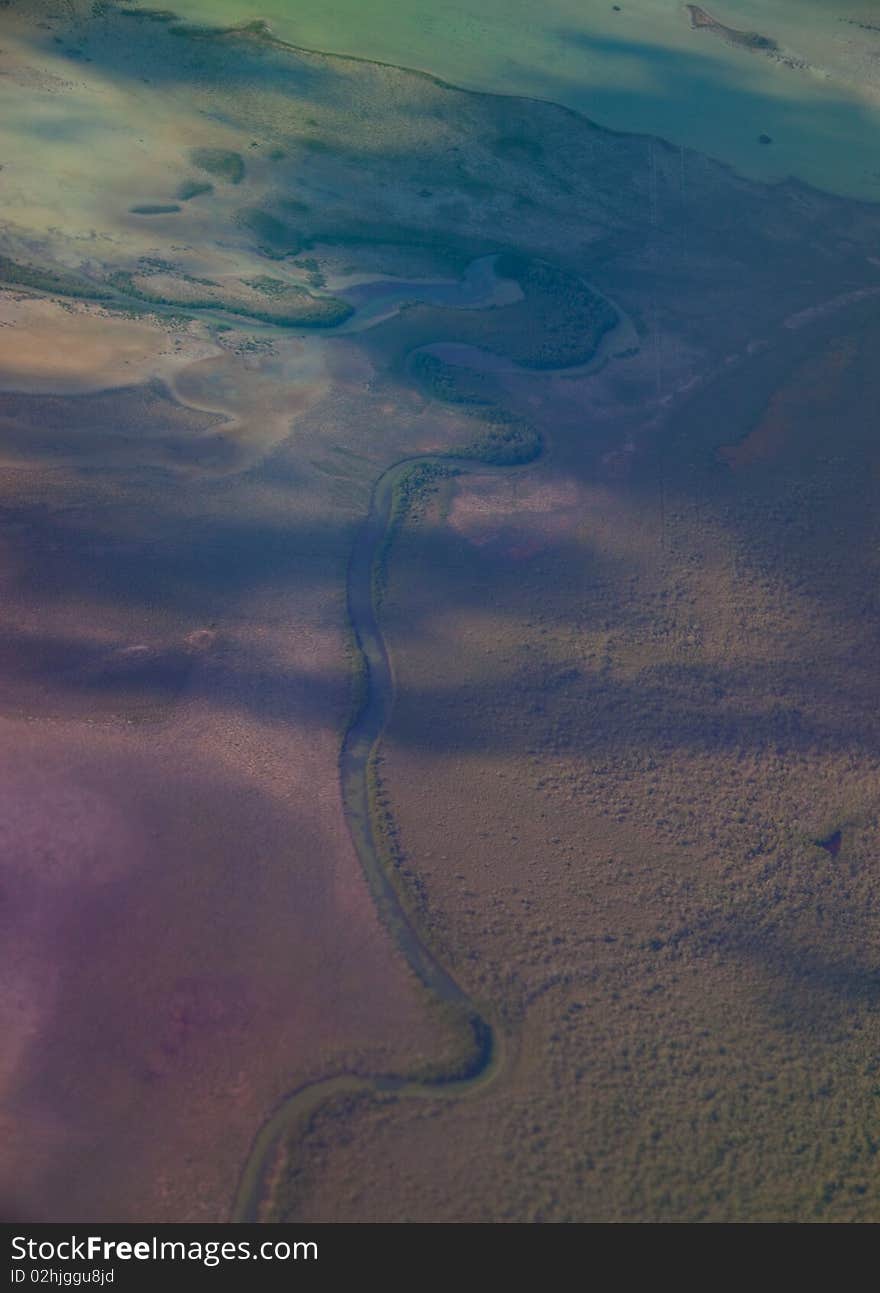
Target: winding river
(355,760)
(373,302)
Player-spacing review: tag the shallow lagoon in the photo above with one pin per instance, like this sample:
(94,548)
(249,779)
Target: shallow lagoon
(639,67)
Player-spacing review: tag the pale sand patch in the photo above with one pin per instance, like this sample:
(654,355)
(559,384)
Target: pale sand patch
(262,393)
(50,348)
(520,515)
(61,349)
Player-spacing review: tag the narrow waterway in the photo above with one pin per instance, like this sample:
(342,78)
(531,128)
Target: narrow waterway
(355,762)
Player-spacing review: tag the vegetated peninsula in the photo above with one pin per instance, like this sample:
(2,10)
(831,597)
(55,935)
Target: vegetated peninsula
(746,39)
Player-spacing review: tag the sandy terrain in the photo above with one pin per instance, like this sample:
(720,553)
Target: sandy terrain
(57,348)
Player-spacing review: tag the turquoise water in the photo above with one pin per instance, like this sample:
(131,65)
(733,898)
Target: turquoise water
(641,69)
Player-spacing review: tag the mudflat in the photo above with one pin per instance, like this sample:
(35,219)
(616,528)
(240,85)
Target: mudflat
(623,587)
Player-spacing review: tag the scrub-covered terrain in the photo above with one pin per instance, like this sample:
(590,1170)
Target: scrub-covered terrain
(627,795)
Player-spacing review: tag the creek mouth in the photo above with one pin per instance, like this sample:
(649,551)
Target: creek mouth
(483,1061)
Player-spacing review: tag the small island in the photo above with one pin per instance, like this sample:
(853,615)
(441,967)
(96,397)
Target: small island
(746,39)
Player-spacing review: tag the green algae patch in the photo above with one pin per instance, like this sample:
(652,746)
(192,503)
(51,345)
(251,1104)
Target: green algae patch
(222,163)
(149,15)
(274,238)
(193,189)
(155,208)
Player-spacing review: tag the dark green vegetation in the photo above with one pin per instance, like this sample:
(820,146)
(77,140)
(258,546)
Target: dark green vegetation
(559,323)
(154,208)
(222,164)
(193,189)
(452,383)
(274,238)
(567,319)
(745,39)
(294,308)
(413,487)
(271,287)
(148,15)
(316,277)
(48,278)
(503,439)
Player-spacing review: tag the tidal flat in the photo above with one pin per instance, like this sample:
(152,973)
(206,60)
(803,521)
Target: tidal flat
(807,80)
(633,676)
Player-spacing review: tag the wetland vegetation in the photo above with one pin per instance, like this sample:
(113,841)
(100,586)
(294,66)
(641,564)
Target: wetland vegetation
(222,163)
